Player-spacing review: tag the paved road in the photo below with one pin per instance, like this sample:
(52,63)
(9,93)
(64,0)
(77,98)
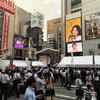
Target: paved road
(61,93)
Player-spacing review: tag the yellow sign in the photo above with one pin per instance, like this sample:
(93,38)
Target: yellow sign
(73,30)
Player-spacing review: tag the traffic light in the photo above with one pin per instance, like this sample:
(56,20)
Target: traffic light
(91,51)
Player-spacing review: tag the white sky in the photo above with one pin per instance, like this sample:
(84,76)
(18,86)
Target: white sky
(51,9)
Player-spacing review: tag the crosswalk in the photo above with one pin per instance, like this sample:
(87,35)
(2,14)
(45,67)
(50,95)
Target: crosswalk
(72,98)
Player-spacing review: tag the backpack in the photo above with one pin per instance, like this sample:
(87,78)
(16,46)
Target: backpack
(79,92)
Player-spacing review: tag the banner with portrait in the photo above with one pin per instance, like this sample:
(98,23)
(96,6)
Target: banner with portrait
(74,47)
(92,26)
(73,30)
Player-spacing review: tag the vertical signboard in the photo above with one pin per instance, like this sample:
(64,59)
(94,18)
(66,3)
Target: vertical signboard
(73,30)
(1,26)
(6,30)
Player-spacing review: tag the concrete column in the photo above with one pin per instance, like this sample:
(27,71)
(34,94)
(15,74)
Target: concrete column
(63,26)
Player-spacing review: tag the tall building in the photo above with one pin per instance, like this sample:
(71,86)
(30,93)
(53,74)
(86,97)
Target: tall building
(52,32)
(7,13)
(22,17)
(83,14)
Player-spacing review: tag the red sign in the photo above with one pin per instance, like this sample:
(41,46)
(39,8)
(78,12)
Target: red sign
(8,5)
(6,30)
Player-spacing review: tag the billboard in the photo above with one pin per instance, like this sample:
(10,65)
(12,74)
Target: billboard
(19,42)
(6,30)
(73,30)
(8,5)
(1,26)
(92,26)
(74,47)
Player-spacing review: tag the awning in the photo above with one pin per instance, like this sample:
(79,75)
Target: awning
(38,63)
(47,51)
(80,61)
(20,64)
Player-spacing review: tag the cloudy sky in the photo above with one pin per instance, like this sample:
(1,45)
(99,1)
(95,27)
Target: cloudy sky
(51,9)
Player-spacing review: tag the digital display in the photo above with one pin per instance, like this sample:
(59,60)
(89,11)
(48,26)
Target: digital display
(19,41)
(74,47)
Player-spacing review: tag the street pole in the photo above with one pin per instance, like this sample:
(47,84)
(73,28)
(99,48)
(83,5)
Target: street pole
(63,26)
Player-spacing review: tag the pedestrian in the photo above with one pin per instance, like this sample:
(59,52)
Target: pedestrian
(88,94)
(98,90)
(79,91)
(88,79)
(49,86)
(4,84)
(40,85)
(30,91)
(16,77)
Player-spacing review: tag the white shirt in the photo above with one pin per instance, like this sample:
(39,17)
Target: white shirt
(39,84)
(16,75)
(30,94)
(4,78)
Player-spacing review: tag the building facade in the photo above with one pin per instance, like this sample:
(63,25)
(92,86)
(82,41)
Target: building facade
(52,32)
(84,14)
(7,13)
(21,25)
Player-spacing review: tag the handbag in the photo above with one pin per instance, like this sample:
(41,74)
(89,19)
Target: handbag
(18,80)
(79,92)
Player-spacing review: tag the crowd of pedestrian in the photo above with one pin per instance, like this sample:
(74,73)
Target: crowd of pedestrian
(90,78)
(38,82)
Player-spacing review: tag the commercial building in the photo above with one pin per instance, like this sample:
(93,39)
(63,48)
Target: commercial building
(21,25)
(7,13)
(84,14)
(19,35)
(53,38)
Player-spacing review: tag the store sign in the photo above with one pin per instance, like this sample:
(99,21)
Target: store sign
(8,5)
(1,26)
(6,30)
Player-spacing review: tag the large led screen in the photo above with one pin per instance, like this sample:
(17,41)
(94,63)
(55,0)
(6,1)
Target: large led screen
(73,30)
(92,26)
(74,47)
(19,41)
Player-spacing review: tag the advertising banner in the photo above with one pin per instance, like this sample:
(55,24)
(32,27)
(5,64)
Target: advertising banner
(19,41)
(6,30)
(1,26)
(92,26)
(74,47)
(8,5)
(73,30)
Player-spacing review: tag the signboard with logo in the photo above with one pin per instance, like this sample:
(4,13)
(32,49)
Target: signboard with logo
(8,5)
(1,26)
(6,30)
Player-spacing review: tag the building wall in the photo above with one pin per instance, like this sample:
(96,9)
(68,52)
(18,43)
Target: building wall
(52,28)
(21,17)
(89,7)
